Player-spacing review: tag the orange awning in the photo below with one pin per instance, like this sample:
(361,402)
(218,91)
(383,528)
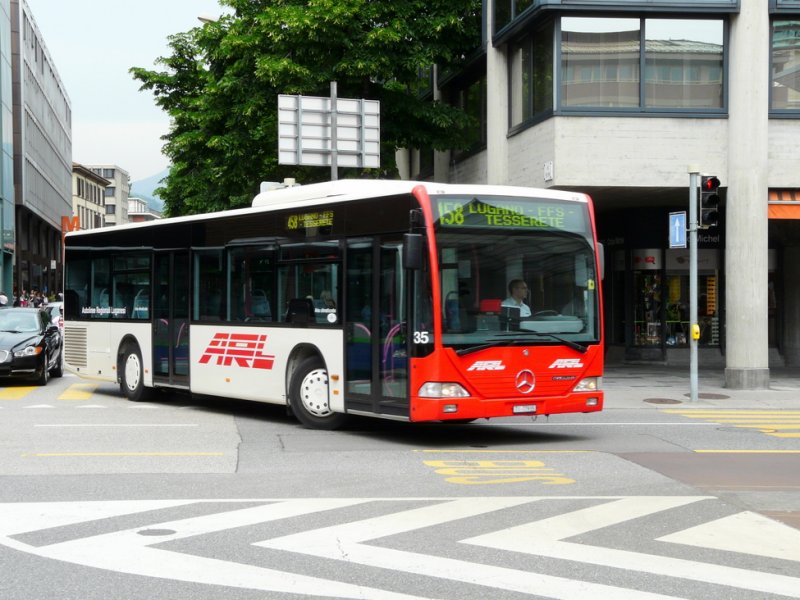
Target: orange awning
(784,204)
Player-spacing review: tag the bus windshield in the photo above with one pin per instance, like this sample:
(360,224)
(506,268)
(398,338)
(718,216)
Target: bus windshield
(516,271)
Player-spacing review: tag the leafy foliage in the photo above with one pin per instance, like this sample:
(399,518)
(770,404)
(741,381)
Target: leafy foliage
(221,82)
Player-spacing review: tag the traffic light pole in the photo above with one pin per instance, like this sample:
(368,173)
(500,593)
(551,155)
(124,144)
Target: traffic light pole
(694,338)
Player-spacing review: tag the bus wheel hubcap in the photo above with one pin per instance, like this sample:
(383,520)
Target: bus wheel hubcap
(132,371)
(314,393)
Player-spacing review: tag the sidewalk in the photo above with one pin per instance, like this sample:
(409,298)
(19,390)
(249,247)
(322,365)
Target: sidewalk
(654,386)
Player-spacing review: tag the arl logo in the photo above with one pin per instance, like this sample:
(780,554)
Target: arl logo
(487,365)
(240,349)
(567,363)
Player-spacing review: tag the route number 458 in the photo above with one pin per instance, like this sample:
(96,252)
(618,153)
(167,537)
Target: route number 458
(422,337)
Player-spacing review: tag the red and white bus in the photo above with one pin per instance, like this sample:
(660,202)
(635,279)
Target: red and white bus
(380,298)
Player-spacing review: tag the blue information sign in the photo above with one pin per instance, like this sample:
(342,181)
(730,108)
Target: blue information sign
(677,229)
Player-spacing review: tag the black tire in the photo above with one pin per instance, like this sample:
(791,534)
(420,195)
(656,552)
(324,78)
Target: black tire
(58,370)
(309,398)
(131,373)
(45,374)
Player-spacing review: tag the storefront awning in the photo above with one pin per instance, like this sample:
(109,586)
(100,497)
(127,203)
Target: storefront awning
(784,204)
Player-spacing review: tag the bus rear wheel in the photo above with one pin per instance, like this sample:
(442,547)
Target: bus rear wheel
(309,396)
(131,373)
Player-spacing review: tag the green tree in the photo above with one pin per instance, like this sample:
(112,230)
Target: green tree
(221,82)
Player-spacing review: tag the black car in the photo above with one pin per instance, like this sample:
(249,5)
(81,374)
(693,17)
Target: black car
(31,346)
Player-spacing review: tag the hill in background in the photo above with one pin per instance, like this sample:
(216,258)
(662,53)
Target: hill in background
(145,188)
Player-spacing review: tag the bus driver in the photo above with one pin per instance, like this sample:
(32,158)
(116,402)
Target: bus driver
(518,290)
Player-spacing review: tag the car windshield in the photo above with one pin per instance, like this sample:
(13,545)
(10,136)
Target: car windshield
(18,321)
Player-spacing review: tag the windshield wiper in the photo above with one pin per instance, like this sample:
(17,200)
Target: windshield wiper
(472,349)
(574,345)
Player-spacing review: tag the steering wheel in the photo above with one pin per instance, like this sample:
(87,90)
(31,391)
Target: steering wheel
(543,313)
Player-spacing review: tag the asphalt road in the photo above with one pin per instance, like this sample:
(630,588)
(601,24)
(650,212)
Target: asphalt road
(195,498)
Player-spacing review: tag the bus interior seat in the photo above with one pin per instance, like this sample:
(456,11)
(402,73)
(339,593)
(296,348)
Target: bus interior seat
(301,310)
(260,305)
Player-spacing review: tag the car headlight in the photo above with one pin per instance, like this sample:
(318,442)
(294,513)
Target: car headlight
(28,351)
(437,389)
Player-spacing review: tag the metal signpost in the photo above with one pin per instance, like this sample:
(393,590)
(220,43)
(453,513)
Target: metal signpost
(694,338)
(316,131)
(704,202)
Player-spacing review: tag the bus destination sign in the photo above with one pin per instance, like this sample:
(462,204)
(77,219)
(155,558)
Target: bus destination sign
(511,213)
(311,219)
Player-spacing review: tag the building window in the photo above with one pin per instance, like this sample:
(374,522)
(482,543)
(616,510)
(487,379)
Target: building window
(531,75)
(108,173)
(601,61)
(683,64)
(593,53)
(785,88)
(471,98)
(110,192)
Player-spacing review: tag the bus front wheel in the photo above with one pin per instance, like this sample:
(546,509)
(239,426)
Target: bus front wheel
(308,396)
(131,373)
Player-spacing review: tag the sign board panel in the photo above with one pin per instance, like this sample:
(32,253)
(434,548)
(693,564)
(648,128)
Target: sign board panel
(677,229)
(305,135)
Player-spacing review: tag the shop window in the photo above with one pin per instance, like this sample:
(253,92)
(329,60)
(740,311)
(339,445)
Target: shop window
(647,308)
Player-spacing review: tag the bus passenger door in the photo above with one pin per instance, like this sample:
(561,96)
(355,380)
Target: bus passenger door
(171,319)
(376,351)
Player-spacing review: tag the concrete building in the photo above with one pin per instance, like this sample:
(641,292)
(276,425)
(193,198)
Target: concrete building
(42,129)
(6,152)
(88,197)
(117,192)
(139,211)
(622,99)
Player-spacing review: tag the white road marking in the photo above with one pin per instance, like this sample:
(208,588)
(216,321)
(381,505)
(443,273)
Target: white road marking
(128,551)
(346,542)
(544,538)
(745,532)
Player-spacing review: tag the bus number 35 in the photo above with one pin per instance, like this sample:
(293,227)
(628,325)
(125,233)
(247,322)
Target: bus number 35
(422,337)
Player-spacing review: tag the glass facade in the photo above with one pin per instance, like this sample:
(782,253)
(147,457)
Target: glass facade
(602,61)
(635,65)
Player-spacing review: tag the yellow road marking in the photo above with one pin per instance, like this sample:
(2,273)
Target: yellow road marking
(16,393)
(747,451)
(115,454)
(692,412)
(768,426)
(78,391)
(491,472)
(769,422)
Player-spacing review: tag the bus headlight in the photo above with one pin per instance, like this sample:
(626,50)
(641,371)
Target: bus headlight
(437,389)
(587,384)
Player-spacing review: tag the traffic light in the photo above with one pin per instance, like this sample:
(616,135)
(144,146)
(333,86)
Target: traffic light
(709,201)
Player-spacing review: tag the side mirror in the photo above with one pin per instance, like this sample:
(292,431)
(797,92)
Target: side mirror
(413,248)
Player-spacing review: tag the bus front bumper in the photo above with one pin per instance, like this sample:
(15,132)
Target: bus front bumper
(443,409)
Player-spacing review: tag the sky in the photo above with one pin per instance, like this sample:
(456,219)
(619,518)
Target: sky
(93,43)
